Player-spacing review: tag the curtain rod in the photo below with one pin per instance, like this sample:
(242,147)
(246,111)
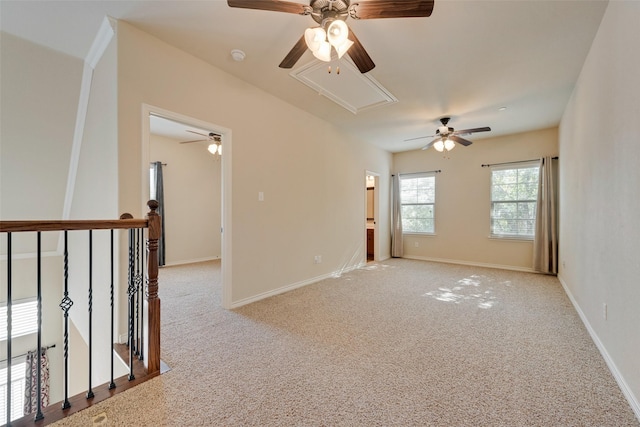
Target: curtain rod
(519,161)
(24,354)
(418,173)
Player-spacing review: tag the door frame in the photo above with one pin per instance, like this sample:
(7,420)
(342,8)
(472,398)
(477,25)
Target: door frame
(225,250)
(376,213)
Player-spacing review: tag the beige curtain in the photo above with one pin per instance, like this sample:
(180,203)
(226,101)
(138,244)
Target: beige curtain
(396,219)
(545,243)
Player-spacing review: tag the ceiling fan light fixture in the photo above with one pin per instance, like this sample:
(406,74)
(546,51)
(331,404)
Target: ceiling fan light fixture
(337,32)
(343,48)
(439,146)
(314,37)
(449,145)
(323,53)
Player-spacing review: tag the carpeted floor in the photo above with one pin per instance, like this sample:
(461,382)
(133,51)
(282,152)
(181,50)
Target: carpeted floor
(397,343)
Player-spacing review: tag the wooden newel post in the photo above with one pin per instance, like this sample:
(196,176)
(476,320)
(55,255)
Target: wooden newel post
(151,293)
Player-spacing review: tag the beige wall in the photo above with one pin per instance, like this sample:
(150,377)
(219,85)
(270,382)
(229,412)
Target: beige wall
(39,100)
(599,203)
(192,198)
(41,97)
(463,200)
(311,174)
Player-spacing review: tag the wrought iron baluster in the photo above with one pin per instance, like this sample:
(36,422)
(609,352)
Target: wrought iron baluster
(130,291)
(65,305)
(90,390)
(39,414)
(112,384)
(137,292)
(9,325)
(141,298)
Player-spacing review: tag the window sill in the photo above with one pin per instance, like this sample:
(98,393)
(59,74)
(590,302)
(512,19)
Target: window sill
(416,233)
(511,238)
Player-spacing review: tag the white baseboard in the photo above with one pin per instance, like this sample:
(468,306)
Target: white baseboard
(190,261)
(293,286)
(628,394)
(471,263)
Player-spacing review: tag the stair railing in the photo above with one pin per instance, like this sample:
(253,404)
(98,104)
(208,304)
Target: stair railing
(143,328)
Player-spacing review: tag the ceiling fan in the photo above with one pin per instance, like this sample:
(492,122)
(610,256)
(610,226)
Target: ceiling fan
(214,148)
(333,32)
(446,136)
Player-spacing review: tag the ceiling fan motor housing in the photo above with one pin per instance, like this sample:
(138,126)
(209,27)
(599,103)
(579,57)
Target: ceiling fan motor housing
(326,11)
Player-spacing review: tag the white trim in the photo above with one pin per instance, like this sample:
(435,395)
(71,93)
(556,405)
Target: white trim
(292,286)
(101,42)
(626,390)
(78,133)
(190,261)
(226,135)
(376,214)
(30,255)
(99,45)
(473,264)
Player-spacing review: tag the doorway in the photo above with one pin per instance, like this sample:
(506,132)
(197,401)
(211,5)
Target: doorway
(371,216)
(150,113)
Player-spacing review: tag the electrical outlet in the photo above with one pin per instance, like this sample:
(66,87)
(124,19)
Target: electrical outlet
(604,311)
(416,244)
(317,259)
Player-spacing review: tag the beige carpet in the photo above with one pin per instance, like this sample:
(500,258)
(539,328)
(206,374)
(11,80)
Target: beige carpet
(398,343)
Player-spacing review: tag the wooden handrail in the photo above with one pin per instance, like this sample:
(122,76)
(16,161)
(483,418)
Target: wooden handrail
(61,225)
(152,223)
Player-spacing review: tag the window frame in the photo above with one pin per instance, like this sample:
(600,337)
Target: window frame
(418,175)
(512,166)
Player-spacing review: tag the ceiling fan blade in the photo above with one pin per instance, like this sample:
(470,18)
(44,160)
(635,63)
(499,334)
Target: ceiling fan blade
(374,9)
(431,143)
(359,55)
(195,140)
(470,131)
(294,54)
(459,140)
(273,5)
(198,133)
(419,137)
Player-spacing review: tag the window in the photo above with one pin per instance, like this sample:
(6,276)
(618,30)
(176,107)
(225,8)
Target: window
(17,390)
(514,193)
(24,318)
(418,197)
(24,321)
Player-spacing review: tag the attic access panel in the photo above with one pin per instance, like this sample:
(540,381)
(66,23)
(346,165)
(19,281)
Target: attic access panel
(350,89)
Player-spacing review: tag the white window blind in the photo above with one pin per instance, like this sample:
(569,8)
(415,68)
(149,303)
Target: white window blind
(417,199)
(17,390)
(514,193)
(24,318)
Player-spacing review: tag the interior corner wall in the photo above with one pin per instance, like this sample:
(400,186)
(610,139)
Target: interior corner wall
(95,196)
(192,200)
(463,200)
(599,204)
(39,100)
(311,174)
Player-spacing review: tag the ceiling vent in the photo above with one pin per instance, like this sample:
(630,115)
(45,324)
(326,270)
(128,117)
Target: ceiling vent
(350,89)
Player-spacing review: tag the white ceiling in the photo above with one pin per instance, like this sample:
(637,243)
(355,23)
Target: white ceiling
(465,61)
